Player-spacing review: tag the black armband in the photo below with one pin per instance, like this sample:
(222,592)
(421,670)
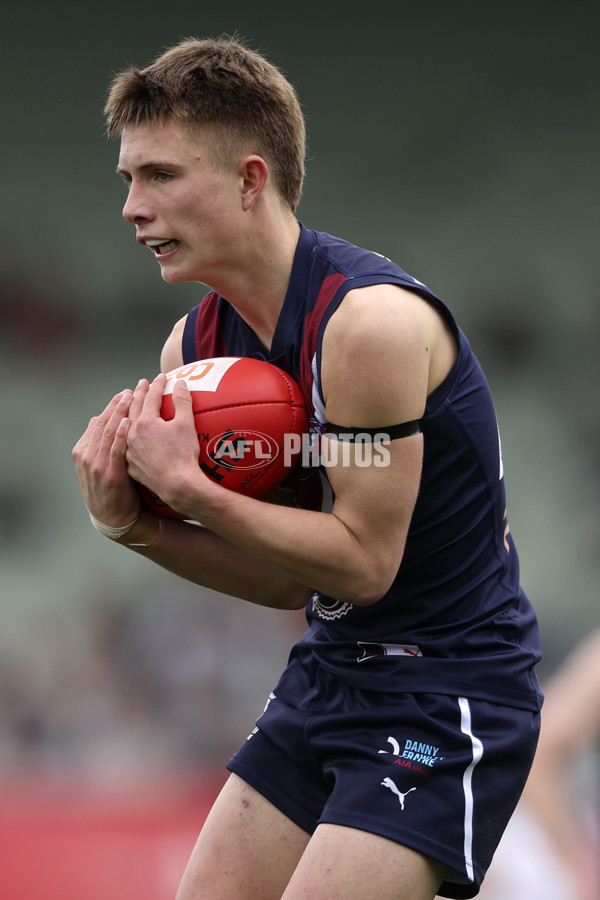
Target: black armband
(364,435)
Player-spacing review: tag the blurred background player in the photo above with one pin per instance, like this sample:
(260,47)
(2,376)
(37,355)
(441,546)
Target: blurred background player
(551,848)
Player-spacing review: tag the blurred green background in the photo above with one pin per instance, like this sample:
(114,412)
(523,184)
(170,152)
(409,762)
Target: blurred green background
(460,139)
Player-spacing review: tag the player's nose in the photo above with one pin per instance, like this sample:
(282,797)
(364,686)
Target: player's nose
(136,209)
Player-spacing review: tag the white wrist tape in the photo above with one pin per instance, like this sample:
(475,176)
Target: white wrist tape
(108,531)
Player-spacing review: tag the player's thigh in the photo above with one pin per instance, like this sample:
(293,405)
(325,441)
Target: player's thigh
(247,848)
(347,863)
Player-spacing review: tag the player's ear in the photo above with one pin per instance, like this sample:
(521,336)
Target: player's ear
(255,173)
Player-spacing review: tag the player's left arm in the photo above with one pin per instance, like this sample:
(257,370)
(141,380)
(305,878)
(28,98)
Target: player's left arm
(381,350)
(376,370)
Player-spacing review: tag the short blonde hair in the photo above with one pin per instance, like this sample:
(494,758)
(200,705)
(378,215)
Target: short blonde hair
(220,85)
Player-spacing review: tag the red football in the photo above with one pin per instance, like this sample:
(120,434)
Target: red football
(250,417)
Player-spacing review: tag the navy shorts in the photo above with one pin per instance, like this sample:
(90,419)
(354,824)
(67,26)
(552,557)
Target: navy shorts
(438,773)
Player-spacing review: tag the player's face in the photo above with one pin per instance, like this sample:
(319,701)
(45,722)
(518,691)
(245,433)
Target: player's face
(185,209)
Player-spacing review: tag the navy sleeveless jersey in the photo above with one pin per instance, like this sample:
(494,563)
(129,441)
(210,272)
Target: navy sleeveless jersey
(455,620)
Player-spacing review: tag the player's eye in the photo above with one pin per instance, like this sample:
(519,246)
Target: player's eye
(163,176)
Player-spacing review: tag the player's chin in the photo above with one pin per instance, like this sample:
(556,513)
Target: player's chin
(174,276)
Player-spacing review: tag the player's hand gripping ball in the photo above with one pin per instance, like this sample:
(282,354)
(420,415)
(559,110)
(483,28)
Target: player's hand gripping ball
(246,412)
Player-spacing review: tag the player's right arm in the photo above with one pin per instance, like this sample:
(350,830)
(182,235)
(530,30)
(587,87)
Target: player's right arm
(99,455)
(190,551)
(202,557)
(172,355)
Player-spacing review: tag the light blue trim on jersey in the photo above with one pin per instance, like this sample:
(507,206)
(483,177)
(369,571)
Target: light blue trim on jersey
(318,404)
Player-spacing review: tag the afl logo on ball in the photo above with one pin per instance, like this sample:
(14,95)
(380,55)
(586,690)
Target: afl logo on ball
(243,449)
